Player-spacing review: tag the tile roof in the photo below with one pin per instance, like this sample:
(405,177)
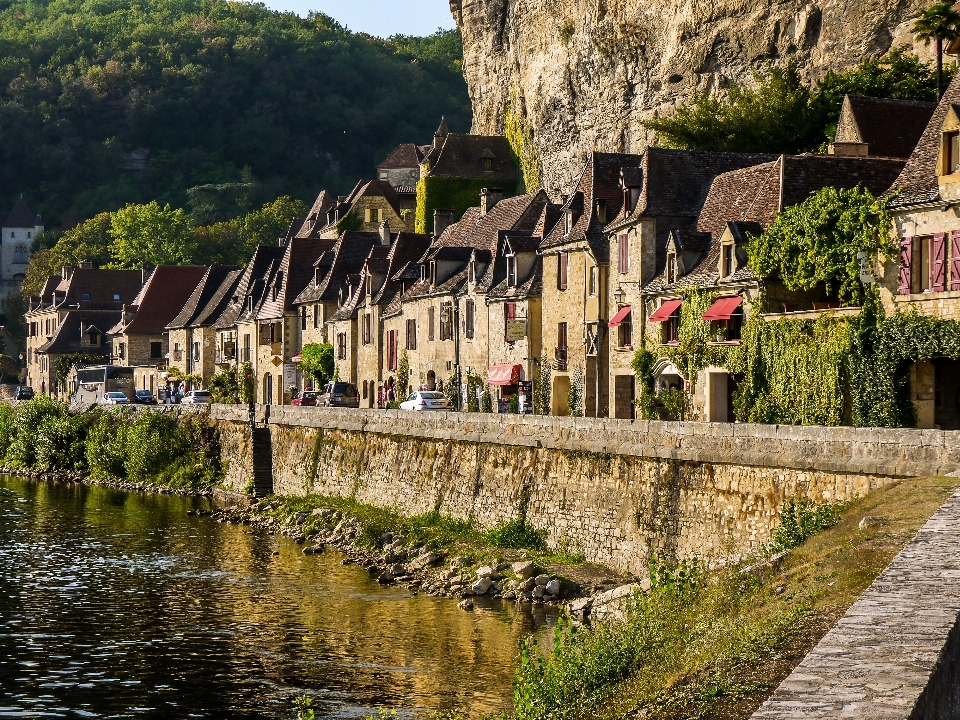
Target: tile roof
(483,232)
(21,216)
(532,286)
(462,156)
(891,128)
(252,280)
(67,337)
(599,180)
(162,298)
(293,274)
(917,182)
(89,288)
(213,288)
(347,256)
(406,155)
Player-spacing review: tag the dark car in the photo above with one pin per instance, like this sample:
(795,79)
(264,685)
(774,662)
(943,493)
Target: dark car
(340,394)
(307,397)
(144,397)
(23,392)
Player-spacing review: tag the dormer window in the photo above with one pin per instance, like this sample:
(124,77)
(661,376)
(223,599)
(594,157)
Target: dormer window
(116,297)
(602,211)
(86,296)
(488,164)
(592,281)
(316,277)
(473,271)
(728,260)
(93,338)
(423,273)
(250,303)
(568,221)
(671,268)
(511,271)
(433,272)
(951,152)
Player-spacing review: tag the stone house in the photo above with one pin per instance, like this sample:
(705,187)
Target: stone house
(18,229)
(72,315)
(926,279)
(139,338)
(343,324)
(235,326)
(712,256)
(278,320)
(401,168)
(877,127)
(192,335)
(368,206)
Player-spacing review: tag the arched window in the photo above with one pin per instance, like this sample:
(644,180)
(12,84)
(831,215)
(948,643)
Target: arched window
(20,255)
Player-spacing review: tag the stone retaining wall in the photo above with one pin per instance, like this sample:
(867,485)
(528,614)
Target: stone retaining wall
(614,490)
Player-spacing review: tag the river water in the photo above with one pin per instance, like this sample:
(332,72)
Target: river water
(117,604)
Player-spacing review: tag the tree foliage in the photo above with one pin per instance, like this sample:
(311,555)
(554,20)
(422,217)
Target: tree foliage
(777,113)
(318,361)
(818,242)
(150,235)
(103,104)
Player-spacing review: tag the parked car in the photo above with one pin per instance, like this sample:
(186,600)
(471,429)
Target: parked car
(197,397)
(307,397)
(426,400)
(340,394)
(144,397)
(23,392)
(115,398)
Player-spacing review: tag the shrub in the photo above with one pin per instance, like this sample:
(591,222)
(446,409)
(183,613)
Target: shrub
(106,447)
(61,442)
(518,535)
(801,518)
(28,417)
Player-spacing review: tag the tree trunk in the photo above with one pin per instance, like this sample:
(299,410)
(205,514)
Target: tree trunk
(939,68)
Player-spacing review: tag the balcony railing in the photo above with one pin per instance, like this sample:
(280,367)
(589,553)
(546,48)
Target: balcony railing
(561,359)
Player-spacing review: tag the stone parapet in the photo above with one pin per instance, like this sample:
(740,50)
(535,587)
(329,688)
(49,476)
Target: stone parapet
(869,451)
(895,655)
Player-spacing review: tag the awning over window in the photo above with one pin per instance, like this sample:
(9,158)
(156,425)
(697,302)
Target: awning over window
(620,316)
(296,359)
(723,308)
(665,311)
(503,374)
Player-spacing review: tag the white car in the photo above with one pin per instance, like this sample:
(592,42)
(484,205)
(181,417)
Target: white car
(426,400)
(114,398)
(197,397)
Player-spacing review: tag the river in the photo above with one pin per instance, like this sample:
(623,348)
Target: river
(118,604)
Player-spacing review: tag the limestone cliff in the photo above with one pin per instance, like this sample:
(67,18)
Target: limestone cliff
(582,74)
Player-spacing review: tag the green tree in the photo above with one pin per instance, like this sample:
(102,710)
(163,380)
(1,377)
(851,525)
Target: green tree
(938,22)
(232,242)
(318,361)
(820,241)
(89,241)
(148,235)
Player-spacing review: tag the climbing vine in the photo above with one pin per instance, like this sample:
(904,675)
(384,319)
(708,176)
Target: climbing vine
(520,136)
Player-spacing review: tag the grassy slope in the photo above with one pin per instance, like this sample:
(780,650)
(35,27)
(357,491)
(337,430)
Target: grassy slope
(780,614)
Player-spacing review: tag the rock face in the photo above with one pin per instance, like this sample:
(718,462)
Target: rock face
(583,74)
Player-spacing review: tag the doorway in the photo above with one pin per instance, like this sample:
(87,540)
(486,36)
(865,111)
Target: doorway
(558,398)
(624,393)
(946,408)
(268,389)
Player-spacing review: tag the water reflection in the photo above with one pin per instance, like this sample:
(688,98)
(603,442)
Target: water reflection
(117,604)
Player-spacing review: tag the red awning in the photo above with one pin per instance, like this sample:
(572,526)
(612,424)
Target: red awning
(723,308)
(298,358)
(620,316)
(503,374)
(664,312)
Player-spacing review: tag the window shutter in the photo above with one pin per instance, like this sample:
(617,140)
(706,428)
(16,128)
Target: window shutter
(938,265)
(624,254)
(906,266)
(955,260)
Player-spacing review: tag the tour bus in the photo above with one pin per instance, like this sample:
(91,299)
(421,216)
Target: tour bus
(94,382)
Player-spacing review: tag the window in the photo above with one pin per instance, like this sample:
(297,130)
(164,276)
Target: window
(951,148)
(473,271)
(623,252)
(561,352)
(511,271)
(470,311)
(368,215)
(671,329)
(923,263)
(196,352)
(156,350)
(433,272)
(303,318)
(86,296)
(316,316)
(562,263)
(430,319)
(316,277)
(411,334)
(625,332)
(28,233)
(601,206)
(20,255)
(246,348)
(366,328)
(121,350)
(509,313)
(568,222)
(671,268)
(392,350)
(116,297)
(488,164)
(93,338)
(341,346)
(727,260)
(446,321)
(592,280)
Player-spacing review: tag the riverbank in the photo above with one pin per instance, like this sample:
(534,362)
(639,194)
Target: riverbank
(84,478)
(430,553)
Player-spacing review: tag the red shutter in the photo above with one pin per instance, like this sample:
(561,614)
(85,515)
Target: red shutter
(955,260)
(938,263)
(906,266)
(624,254)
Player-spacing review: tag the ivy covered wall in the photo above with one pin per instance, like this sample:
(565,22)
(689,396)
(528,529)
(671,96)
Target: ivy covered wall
(454,193)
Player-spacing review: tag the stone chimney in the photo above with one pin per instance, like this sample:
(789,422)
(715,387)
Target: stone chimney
(384,233)
(488,198)
(66,272)
(442,219)
(440,136)
(86,265)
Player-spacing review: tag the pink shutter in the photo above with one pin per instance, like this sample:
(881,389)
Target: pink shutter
(938,263)
(955,260)
(906,266)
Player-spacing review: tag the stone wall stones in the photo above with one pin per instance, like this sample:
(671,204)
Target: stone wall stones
(614,490)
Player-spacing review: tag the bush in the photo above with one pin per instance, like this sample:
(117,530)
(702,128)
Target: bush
(28,417)
(518,535)
(801,518)
(106,447)
(61,442)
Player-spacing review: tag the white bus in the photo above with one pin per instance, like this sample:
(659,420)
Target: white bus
(93,382)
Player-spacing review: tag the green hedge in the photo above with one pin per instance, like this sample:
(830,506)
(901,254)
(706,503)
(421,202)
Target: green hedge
(454,193)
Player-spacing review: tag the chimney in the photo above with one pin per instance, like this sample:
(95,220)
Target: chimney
(488,198)
(384,233)
(86,265)
(442,219)
(66,272)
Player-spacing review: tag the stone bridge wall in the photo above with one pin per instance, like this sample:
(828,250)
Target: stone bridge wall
(614,490)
